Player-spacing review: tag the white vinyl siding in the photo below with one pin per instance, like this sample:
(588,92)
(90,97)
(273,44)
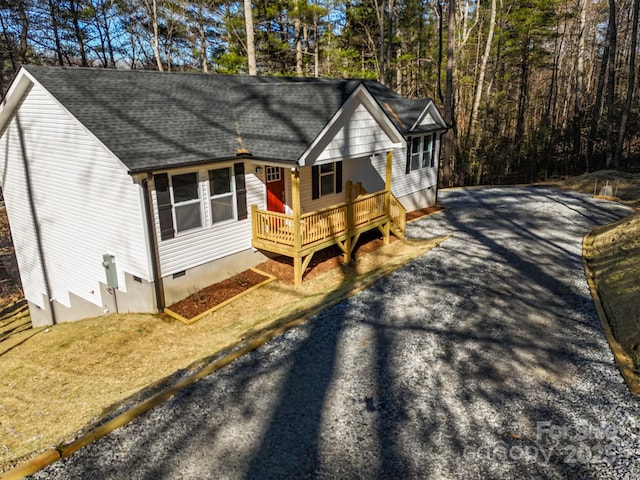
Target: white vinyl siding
(403,183)
(86,204)
(213,241)
(369,167)
(359,135)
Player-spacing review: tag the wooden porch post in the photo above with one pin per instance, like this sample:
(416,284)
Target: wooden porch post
(387,198)
(297,234)
(348,243)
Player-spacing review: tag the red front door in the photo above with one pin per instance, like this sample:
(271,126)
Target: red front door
(275,189)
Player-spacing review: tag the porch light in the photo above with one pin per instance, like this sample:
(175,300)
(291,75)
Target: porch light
(258,169)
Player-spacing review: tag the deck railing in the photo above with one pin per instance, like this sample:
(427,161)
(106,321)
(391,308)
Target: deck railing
(321,225)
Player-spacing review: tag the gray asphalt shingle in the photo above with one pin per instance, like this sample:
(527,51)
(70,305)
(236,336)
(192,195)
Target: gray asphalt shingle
(153,119)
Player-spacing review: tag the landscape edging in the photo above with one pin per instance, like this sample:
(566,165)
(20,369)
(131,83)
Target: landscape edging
(624,362)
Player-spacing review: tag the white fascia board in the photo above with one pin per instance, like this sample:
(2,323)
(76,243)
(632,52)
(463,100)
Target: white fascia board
(435,113)
(18,89)
(360,96)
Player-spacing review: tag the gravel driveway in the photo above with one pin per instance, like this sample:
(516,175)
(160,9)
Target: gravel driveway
(482,359)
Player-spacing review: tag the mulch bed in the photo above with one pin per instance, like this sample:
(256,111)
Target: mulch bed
(215,294)
(282,268)
(422,212)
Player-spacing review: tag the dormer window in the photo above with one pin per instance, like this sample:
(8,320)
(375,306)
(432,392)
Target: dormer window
(420,152)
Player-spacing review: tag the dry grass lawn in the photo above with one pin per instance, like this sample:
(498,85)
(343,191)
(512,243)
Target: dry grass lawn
(627,184)
(56,381)
(613,253)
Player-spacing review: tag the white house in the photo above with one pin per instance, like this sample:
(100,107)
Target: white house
(128,190)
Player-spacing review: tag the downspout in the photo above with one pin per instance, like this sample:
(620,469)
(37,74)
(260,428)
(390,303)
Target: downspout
(153,241)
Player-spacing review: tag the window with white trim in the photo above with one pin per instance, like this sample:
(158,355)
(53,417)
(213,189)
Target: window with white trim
(187,206)
(421,153)
(222,195)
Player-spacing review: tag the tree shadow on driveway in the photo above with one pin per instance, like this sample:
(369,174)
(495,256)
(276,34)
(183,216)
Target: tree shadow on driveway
(477,360)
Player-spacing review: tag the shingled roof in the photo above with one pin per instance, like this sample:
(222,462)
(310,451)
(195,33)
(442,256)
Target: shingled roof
(151,119)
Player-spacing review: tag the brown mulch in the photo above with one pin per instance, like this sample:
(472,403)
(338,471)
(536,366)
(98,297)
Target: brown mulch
(422,212)
(215,294)
(281,267)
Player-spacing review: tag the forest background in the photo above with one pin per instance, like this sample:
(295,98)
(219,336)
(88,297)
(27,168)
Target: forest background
(532,89)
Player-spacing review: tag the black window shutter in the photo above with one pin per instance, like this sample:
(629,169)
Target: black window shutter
(338,177)
(408,167)
(241,190)
(315,182)
(163,200)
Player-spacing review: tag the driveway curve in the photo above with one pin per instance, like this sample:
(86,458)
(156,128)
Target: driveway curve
(483,358)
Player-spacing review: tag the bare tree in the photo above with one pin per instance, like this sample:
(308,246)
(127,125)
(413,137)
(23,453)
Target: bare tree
(611,84)
(577,115)
(631,86)
(449,101)
(473,134)
(152,11)
(251,45)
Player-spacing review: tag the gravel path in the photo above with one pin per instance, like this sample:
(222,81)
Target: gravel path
(482,359)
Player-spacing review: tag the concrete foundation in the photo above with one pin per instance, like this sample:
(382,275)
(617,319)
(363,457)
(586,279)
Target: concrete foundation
(420,199)
(139,297)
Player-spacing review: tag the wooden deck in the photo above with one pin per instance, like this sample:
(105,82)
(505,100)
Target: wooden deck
(340,225)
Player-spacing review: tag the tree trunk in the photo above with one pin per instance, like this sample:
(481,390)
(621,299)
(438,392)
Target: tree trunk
(152,8)
(522,97)
(483,68)
(297,25)
(251,46)
(316,49)
(203,40)
(389,41)
(474,135)
(24,33)
(597,108)
(611,85)
(56,34)
(75,19)
(440,47)
(449,104)
(577,114)
(380,16)
(632,84)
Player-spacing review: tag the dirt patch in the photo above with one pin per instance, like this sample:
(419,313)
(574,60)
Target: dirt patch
(323,261)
